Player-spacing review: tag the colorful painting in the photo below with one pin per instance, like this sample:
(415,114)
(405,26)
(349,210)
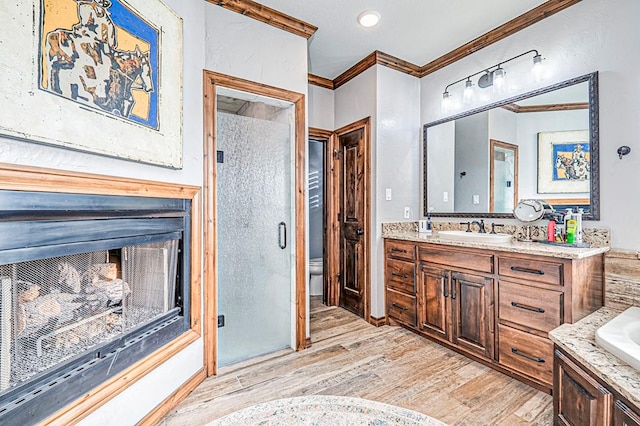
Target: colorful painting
(98,76)
(564,162)
(100,53)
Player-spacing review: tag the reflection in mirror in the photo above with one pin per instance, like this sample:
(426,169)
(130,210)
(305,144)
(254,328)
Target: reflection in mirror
(503,177)
(540,145)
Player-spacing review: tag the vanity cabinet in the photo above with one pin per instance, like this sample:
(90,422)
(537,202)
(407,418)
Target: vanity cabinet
(580,398)
(494,306)
(457,307)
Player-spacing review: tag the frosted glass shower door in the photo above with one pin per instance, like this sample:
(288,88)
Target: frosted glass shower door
(254,209)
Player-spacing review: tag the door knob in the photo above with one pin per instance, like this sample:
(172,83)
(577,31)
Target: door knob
(360,232)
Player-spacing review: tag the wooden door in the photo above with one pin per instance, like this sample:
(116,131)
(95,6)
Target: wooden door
(352,220)
(433,292)
(472,313)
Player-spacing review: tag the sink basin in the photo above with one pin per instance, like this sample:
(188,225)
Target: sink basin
(621,337)
(475,237)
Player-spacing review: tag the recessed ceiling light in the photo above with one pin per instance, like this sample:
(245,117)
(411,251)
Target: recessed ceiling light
(368,19)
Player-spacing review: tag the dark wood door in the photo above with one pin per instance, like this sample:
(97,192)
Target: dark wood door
(352,221)
(434,290)
(472,315)
(624,416)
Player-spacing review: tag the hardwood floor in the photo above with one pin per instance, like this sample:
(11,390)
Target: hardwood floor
(388,364)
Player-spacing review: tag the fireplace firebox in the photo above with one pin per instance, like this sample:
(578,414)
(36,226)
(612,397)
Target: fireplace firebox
(89,285)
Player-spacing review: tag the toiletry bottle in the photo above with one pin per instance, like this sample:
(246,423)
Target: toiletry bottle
(578,218)
(571,231)
(551,230)
(560,235)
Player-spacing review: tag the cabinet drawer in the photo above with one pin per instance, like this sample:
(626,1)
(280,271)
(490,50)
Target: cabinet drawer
(400,275)
(531,269)
(400,250)
(526,353)
(401,307)
(529,306)
(458,258)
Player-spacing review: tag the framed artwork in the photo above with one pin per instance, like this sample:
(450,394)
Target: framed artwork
(102,76)
(564,162)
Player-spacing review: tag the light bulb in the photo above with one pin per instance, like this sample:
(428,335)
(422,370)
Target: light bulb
(538,68)
(369,19)
(499,77)
(446,102)
(467,95)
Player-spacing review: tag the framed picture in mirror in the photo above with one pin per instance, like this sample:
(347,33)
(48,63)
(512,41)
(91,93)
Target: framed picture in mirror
(563,162)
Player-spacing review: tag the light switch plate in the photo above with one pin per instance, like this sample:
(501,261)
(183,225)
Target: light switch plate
(445,197)
(387,195)
(476,199)
(407,212)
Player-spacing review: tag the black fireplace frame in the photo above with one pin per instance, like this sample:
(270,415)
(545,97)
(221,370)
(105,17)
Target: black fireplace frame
(40,225)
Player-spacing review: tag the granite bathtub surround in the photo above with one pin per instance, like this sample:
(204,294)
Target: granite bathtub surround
(578,340)
(622,279)
(321,410)
(596,237)
(409,231)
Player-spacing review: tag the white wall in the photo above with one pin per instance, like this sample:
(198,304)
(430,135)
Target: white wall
(471,173)
(397,141)
(321,108)
(590,36)
(441,148)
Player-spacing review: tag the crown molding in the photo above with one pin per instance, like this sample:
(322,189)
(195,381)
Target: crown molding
(316,80)
(546,9)
(545,108)
(267,15)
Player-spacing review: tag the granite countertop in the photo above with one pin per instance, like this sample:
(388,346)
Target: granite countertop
(578,340)
(513,247)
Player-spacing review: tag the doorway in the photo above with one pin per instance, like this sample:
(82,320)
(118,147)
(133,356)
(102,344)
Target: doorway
(254,272)
(350,222)
(318,180)
(503,177)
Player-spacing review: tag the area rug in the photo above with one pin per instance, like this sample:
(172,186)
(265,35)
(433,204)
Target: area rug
(320,410)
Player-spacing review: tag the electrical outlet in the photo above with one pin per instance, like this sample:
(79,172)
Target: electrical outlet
(445,197)
(407,212)
(388,194)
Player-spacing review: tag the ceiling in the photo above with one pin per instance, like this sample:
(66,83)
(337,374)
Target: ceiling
(417,31)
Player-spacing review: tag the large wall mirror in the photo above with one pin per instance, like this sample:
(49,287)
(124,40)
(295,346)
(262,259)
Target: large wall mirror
(542,144)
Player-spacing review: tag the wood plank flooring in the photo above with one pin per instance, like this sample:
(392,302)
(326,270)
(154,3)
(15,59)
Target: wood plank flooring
(388,364)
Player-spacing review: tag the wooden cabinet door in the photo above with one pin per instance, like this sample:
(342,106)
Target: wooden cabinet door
(578,399)
(624,416)
(433,293)
(472,313)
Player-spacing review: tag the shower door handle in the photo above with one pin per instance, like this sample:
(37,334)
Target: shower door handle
(282,235)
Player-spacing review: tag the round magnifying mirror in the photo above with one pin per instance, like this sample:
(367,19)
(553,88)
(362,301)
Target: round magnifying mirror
(529,210)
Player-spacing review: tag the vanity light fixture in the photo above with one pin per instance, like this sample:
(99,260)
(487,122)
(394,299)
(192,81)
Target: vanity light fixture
(468,94)
(369,18)
(495,76)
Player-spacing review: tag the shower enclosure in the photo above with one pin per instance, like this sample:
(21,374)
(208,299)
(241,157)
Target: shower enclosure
(255,210)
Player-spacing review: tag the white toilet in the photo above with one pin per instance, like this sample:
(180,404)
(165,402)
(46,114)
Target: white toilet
(315,276)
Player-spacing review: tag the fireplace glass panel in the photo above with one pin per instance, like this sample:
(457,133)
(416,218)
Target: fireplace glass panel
(54,309)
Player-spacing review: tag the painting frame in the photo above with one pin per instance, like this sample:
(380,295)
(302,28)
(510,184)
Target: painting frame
(564,160)
(79,122)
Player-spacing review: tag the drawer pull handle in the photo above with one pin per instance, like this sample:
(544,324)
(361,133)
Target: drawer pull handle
(399,250)
(528,308)
(395,305)
(395,274)
(527,356)
(527,270)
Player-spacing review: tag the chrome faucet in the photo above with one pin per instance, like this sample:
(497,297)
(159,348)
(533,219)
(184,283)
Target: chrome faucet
(480,226)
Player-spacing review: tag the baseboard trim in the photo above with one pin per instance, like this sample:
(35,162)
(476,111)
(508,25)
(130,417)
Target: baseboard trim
(378,321)
(158,413)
